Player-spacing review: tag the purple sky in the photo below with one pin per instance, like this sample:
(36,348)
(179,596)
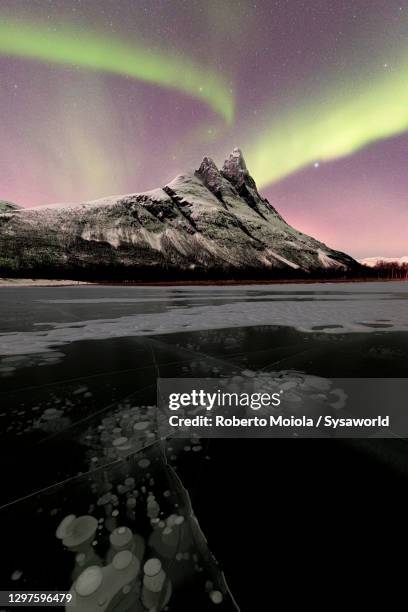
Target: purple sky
(69,134)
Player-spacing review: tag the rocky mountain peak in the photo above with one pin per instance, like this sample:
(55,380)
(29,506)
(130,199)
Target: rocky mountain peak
(236,158)
(235,170)
(211,176)
(232,181)
(208,171)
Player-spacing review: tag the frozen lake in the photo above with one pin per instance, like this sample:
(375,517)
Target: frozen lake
(40,319)
(78,371)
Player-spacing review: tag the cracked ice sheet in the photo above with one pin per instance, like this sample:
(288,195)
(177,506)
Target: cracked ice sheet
(382,308)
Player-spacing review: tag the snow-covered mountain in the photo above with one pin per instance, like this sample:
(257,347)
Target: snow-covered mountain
(8,206)
(205,222)
(373,261)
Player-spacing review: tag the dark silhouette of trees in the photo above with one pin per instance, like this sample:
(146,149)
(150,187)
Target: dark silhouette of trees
(391,270)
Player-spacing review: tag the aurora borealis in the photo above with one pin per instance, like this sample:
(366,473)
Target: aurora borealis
(328,130)
(86,50)
(102,97)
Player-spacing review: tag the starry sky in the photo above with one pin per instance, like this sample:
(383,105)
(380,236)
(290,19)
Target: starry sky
(103,97)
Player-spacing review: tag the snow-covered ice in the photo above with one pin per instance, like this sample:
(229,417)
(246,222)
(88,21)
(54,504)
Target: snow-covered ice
(331,308)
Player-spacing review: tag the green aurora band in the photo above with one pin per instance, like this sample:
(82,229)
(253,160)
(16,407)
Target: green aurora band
(331,127)
(94,52)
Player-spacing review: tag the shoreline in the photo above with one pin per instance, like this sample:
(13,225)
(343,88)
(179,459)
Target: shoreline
(32,282)
(218,283)
(26,282)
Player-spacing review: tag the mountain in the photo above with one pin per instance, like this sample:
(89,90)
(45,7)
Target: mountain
(8,206)
(205,223)
(373,261)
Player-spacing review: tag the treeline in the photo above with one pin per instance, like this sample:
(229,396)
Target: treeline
(391,269)
(103,272)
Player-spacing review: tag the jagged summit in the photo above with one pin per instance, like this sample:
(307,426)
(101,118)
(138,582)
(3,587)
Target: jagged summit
(234,180)
(211,176)
(235,170)
(212,222)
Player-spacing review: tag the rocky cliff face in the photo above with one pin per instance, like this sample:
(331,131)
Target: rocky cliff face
(210,222)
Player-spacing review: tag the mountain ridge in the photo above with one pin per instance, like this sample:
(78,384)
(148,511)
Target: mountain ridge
(373,261)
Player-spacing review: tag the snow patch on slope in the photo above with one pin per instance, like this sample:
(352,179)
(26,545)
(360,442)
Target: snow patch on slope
(283,260)
(327,261)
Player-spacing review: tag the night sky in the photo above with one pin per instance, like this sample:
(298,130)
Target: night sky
(103,97)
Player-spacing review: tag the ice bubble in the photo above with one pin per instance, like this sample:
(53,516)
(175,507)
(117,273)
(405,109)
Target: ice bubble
(216,597)
(152,567)
(80,530)
(131,502)
(122,559)
(63,527)
(121,441)
(141,426)
(89,581)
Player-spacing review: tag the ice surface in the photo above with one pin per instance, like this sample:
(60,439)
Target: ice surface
(354,307)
